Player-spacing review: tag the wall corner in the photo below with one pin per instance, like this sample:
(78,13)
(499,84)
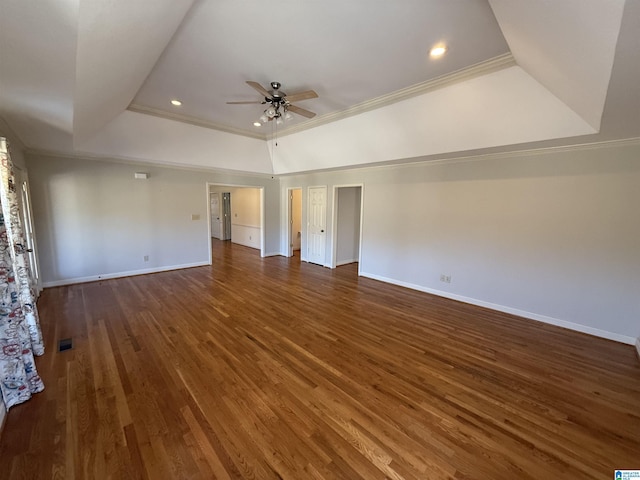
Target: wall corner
(3,416)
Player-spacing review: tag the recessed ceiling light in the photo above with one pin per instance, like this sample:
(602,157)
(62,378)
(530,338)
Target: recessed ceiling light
(438,51)
(257,124)
(177,103)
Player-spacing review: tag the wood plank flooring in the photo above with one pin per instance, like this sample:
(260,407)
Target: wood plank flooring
(275,369)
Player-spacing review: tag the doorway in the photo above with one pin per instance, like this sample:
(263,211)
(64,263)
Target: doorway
(294,216)
(236,213)
(347,225)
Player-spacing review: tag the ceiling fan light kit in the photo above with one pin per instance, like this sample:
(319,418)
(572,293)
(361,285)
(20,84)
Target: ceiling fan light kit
(280,106)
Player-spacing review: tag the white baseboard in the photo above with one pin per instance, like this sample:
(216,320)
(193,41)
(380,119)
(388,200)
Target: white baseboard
(273,254)
(250,244)
(638,347)
(130,273)
(514,311)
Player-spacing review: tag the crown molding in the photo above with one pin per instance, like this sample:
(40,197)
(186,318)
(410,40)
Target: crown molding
(488,66)
(141,162)
(530,152)
(625,142)
(513,153)
(156,112)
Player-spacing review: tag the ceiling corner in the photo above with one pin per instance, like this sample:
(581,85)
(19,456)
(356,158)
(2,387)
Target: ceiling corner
(119,42)
(567,46)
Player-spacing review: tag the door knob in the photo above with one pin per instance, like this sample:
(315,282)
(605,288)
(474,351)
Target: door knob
(321,231)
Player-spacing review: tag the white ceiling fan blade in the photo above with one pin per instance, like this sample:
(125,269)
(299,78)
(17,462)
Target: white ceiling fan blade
(301,111)
(259,88)
(296,97)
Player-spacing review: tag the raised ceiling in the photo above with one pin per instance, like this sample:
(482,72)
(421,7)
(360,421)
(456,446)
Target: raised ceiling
(349,52)
(89,77)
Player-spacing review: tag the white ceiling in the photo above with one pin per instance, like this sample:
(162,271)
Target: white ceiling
(348,52)
(70,69)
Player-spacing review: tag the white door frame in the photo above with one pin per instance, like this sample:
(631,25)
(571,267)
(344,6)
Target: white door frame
(334,223)
(262,214)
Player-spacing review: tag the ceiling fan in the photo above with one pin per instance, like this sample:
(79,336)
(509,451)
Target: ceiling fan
(280,104)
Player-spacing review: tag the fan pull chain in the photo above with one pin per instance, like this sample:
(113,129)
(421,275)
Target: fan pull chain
(276,128)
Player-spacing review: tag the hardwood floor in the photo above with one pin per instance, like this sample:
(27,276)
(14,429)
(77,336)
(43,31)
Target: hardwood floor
(276,369)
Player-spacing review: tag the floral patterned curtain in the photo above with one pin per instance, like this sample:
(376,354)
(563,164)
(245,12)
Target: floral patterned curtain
(20,335)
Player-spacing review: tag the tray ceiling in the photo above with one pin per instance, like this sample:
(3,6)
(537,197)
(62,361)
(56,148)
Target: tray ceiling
(88,77)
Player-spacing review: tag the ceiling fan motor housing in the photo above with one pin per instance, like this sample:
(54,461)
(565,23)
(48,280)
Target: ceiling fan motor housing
(277,97)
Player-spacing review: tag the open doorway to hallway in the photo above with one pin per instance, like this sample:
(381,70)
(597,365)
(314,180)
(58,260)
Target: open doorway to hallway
(294,234)
(236,214)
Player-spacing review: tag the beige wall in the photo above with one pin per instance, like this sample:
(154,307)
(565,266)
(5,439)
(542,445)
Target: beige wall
(552,236)
(94,220)
(245,216)
(245,206)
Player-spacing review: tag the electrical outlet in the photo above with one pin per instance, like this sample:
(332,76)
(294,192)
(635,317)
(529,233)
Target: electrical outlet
(146,258)
(443,278)
(447,278)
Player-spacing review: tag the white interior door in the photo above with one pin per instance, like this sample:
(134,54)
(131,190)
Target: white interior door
(216,230)
(316,225)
